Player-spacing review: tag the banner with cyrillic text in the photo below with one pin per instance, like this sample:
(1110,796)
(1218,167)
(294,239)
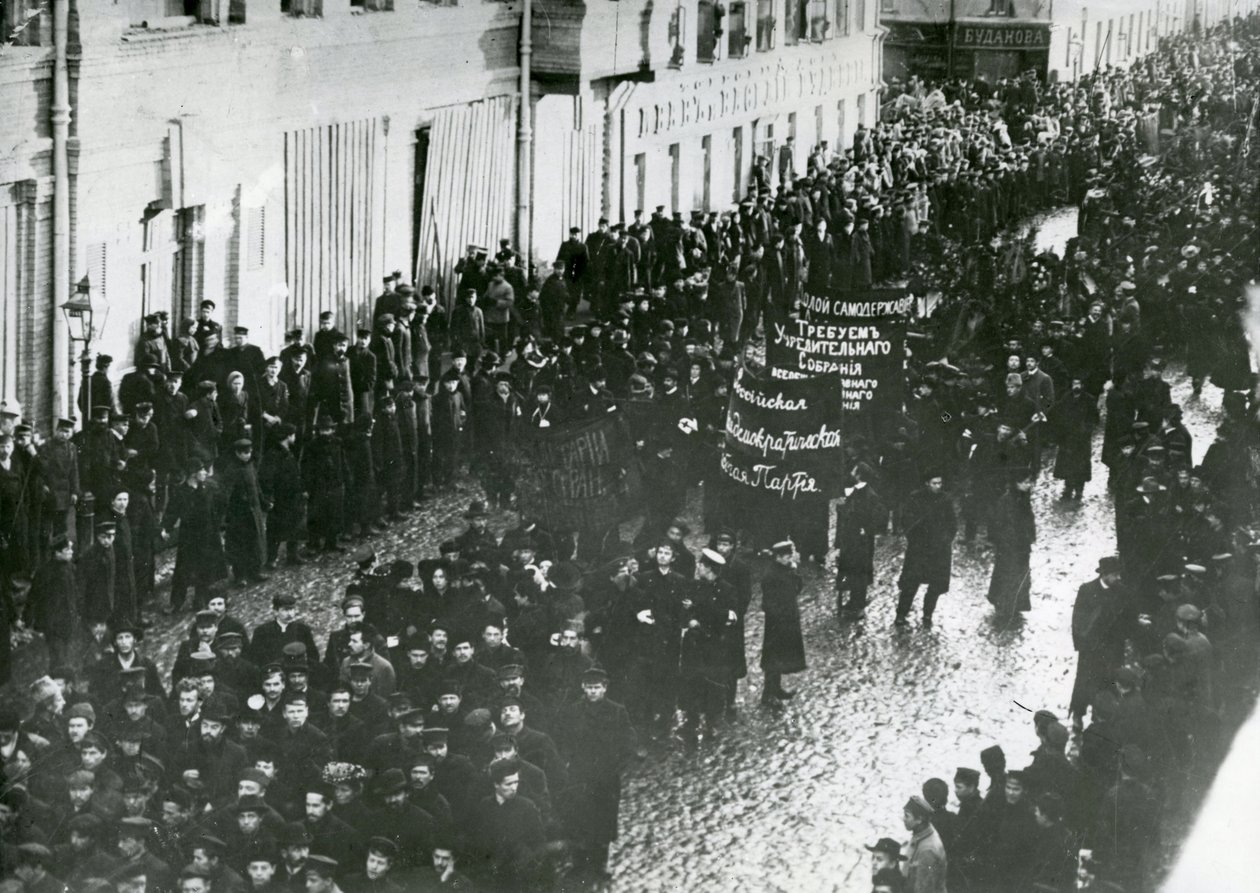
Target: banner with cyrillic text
(857,336)
(782,451)
(582,475)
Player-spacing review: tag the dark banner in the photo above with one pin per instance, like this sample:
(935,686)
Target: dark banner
(858,336)
(582,475)
(781,454)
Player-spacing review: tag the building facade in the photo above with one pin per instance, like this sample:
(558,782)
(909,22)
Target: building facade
(281,156)
(644,104)
(1057,39)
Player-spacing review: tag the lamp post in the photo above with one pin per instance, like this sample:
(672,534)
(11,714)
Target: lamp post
(80,315)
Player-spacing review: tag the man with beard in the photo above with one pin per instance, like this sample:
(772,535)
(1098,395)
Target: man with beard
(211,760)
(329,834)
(930,526)
(407,826)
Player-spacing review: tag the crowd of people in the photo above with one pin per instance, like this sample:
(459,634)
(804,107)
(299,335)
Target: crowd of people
(468,725)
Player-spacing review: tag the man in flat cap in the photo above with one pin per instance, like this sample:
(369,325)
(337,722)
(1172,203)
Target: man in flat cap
(134,834)
(925,864)
(244,520)
(596,741)
(782,648)
(33,867)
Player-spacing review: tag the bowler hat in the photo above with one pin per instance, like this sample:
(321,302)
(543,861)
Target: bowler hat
(887,846)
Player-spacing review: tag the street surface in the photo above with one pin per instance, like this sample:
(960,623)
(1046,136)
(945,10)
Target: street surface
(787,802)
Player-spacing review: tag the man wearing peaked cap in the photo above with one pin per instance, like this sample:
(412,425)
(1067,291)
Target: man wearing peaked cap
(596,738)
(711,612)
(925,853)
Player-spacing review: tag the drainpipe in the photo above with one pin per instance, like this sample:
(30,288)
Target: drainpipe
(525,141)
(61,205)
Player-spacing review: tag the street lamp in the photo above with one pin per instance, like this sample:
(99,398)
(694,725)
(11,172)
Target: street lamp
(80,313)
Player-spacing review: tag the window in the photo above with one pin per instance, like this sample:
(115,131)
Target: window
(1130,45)
(24,22)
(675,170)
(842,140)
(818,24)
(795,22)
(737,141)
(706,146)
(859,16)
(706,31)
(312,8)
(765,25)
(1001,8)
(738,37)
(887,5)
(861,109)
(842,18)
(677,33)
(255,238)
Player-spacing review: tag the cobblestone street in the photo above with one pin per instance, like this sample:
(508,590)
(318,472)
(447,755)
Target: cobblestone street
(787,802)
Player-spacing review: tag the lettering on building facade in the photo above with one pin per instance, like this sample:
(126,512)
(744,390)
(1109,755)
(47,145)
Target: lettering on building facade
(737,93)
(999,38)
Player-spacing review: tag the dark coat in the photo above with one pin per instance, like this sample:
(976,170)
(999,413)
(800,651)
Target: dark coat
(53,600)
(1074,419)
(331,392)
(930,528)
(280,484)
(194,511)
(97,570)
(1013,530)
(782,647)
(244,528)
(596,741)
(858,520)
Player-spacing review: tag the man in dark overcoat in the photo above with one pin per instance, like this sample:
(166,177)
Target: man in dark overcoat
(199,561)
(782,647)
(1097,635)
(1074,419)
(655,616)
(324,479)
(709,612)
(860,515)
(930,525)
(244,524)
(53,601)
(596,741)
(280,484)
